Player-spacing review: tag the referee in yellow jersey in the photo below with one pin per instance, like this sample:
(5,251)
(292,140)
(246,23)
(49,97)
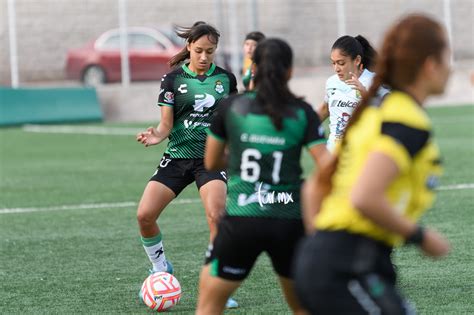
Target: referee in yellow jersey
(382,179)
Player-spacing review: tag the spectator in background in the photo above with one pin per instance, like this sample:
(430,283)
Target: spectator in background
(250,43)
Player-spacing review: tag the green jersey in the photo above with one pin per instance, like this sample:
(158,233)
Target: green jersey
(264,170)
(194,99)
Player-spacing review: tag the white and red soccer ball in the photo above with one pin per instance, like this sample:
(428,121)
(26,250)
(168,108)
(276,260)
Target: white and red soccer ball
(160,291)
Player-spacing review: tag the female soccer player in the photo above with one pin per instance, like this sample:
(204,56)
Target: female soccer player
(351,57)
(188,98)
(250,43)
(379,183)
(265,132)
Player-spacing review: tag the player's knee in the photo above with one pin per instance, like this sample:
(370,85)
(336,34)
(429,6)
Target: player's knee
(214,214)
(145,219)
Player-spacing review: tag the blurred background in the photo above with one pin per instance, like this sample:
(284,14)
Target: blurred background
(77,43)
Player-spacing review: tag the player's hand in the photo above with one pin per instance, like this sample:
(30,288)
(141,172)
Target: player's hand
(148,137)
(434,244)
(355,83)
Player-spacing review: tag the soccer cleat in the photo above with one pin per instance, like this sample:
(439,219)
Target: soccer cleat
(169,268)
(231,303)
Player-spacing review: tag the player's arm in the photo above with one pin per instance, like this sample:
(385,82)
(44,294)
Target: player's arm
(156,135)
(314,190)
(311,194)
(215,155)
(369,197)
(323,111)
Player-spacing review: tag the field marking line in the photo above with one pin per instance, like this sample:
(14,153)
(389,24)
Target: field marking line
(134,204)
(125,204)
(457,187)
(89,130)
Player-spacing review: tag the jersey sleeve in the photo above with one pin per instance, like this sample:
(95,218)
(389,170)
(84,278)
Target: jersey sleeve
(217,129)
(326,94)
(314,130)
(166,96)
(401,142)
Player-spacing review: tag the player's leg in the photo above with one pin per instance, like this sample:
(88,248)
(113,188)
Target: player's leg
(213,190)
(212,187)
(285,234)
(154,200)
(213,196)
(288,288)
(214,293)
(230,259)
(167,182)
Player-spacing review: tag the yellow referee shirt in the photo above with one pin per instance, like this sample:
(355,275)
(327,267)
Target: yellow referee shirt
(401,129)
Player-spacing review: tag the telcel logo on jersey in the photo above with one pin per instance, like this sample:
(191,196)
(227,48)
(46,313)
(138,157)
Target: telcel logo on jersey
(202,101)
(345,104)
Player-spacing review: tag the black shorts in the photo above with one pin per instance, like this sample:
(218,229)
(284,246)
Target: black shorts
(176,174)
(240,240)
(343,273)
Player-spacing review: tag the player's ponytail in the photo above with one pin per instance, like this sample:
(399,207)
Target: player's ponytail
(368,52)
(192,34)
(273,58)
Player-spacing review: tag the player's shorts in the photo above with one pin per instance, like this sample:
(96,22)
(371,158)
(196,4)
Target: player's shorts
(240,240)
(176,174)
(343,273)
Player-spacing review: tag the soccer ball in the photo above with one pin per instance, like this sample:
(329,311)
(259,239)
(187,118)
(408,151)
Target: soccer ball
(160,291)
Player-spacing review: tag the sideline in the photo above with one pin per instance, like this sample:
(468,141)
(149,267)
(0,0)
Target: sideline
(88,130)
(89,206)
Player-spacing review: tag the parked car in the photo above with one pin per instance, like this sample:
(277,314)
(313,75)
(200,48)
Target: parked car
(99,61)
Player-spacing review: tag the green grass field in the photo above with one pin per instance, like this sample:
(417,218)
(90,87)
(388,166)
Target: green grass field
(69,240)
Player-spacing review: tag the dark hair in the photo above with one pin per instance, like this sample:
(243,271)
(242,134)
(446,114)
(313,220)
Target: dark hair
(192,34)
(273,58)
(256,36)
(356,46)
(405,48)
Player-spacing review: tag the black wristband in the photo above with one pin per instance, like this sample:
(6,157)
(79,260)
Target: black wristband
(417,236)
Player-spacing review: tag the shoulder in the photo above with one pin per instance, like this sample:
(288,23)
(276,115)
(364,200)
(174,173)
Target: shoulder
(333,81)
(366,78)
(405,121)
(401,107)
(171,76)
(219,70)
(300,104)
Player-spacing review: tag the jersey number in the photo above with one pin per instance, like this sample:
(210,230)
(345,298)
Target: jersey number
(250,169)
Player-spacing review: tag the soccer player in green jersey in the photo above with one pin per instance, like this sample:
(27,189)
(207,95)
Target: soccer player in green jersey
(265,131)
(381,180)
(188,97)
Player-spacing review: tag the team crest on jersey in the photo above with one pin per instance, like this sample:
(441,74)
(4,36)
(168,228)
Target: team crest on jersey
(219,87)
(169,97)
(358,95)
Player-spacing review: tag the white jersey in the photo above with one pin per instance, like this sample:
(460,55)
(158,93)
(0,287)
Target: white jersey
(342,99)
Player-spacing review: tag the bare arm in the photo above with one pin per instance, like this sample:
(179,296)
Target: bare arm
(312,193)
(156,135)
(214,156)
(369,197)
(323,111)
